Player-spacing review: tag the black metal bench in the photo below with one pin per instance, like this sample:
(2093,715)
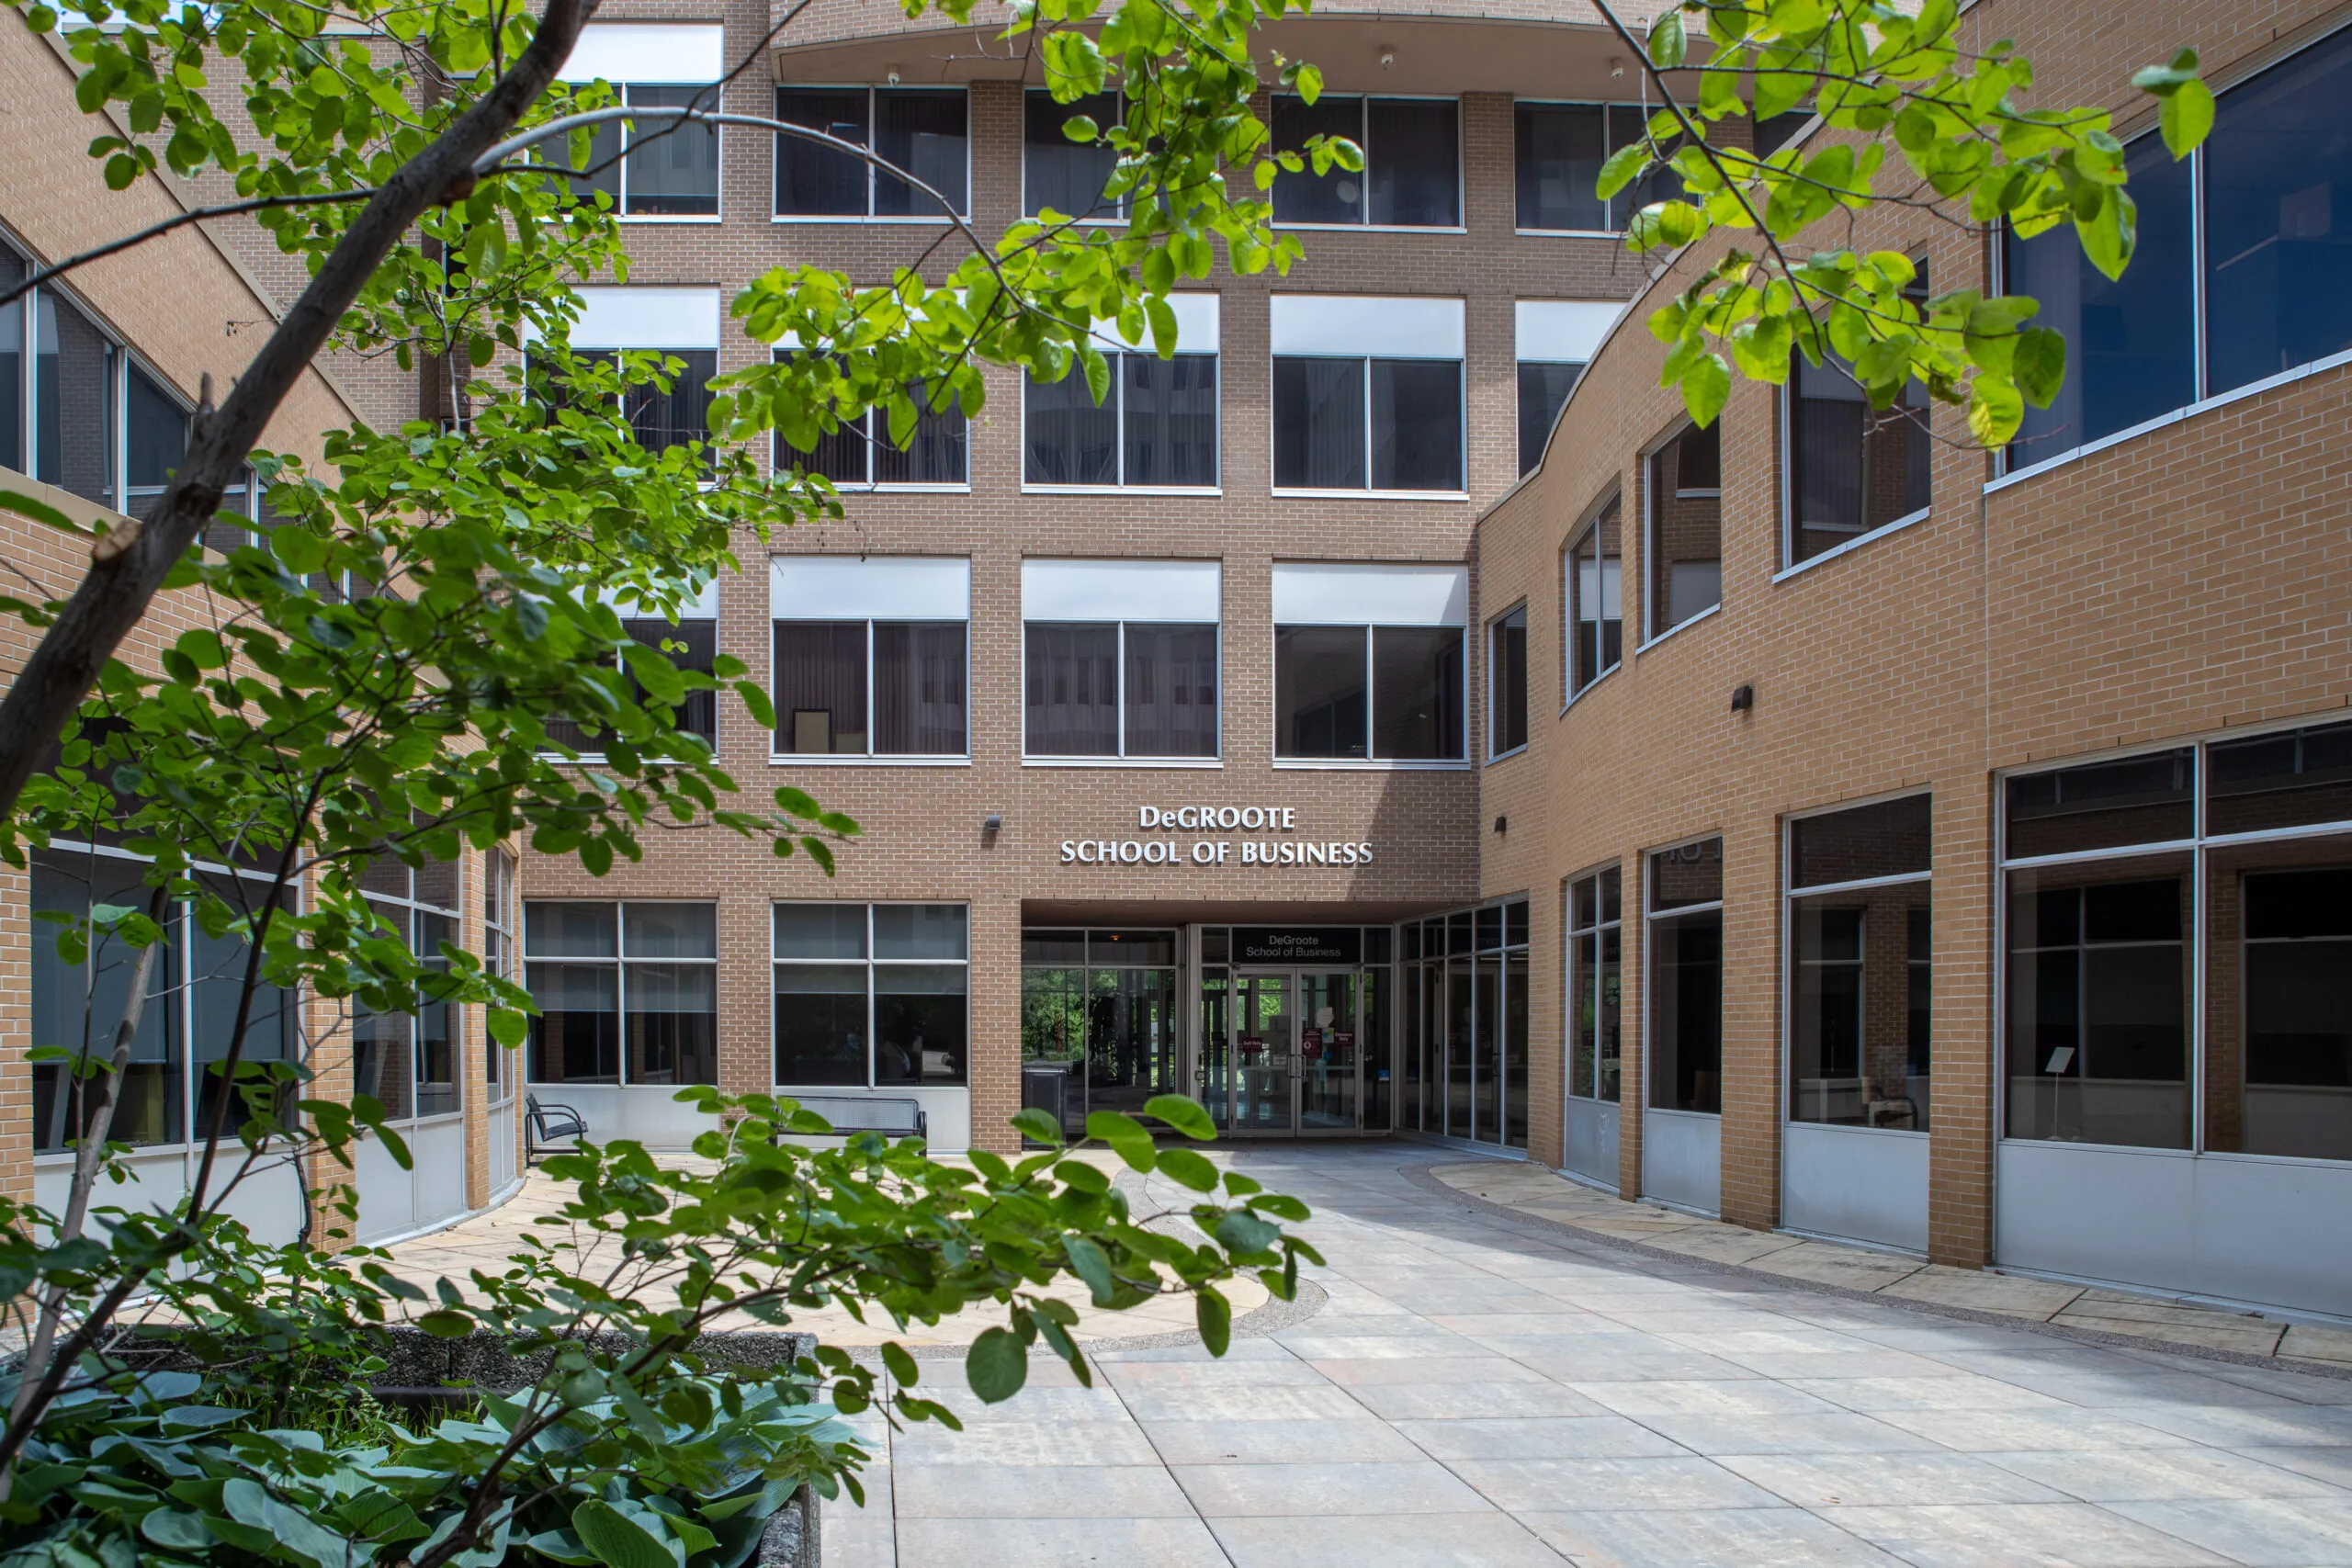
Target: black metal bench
(892,1117)
(542,1122)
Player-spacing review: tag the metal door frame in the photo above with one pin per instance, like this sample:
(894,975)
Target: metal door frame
(1238,975)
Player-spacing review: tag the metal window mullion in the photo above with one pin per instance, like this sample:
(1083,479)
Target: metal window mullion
(874,174)
(1369,729)
(2197,269)
(1119,417)
(869,709)
(871,1010)
(1367,439)
(2199,881)
(1119,686)
(620,994)
(119,458)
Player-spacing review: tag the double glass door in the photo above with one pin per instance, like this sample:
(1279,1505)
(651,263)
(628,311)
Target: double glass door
(1292,1056)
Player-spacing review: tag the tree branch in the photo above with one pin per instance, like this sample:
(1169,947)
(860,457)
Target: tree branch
(193,215)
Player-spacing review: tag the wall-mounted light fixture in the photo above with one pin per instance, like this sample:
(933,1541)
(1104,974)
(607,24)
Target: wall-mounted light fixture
(1743,698)
(993,824)
(1388,58)
(891,76)
(1616,67)
(1502,824)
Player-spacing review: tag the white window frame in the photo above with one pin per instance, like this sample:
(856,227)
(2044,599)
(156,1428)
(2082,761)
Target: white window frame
(873,171)
(1589,526)
(1652,633)
(1495,623)
(1362,139)
(1210,316)
(1122,759)
(871,964)
(1608,150)
(412,906)
(869,758)
(1459,360)
(1570,932)
(501,917)
(619,961)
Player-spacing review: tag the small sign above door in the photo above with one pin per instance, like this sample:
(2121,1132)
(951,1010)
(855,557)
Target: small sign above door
(1298,944)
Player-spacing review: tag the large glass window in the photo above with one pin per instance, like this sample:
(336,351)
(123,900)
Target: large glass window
(871,688)
(627,992)
(1686,992)
(690,642)
(1852,469)
(501,922)
(154,439)
(1098,1022)
(1507,683)
(74,422)
(1559,149)
(1592,587)
(1684,501)
(1859,965)
(872,995)
(1412,175)
(919,130)
(662,416)
(861,455)
(1544,388)
(1369,693)
(660,168)
(1596,1003)
(12,365)
(412,1063)
(1158,428)
(1059,175)
(1120,689)
(1381,424)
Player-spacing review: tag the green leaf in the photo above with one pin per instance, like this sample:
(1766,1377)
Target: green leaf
(1622,166)
(618,1541)
(176,1530)
(1092,1264)
(1183,1113)
(1037,1126)
(1995,410)
(2186,117)
(1214,1314)
(446,1324)
(1243,1232)
(1706,387)
(996,1365)
(901,1365)
(2038,364)
(1188,1169)
(1667,44)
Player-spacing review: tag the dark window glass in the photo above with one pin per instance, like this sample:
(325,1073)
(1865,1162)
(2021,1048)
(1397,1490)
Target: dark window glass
(1857,1008)
(1686,514)
(1171,691)
(1053,947)
(78,1007)
(672,417)
(820,1023)
(436,1045)
(1305,197)
(922,930)
(1507,683)
(820,930)
(1413,162)
(2297,952)
(1686,1012)
(813,180)
(1595,1001)
(1775,132)
(571,930)
(921,131)
(1628,124)
(1595,595)
(2135,800)
(1320,423)
(2097,1008)
(2291,780)
(1854,468)
(1320,692)
(12,365)
(600,169)
(154,437)
(2131,342)
(1890,838)
(1068,438)
(1073,690)
(1169,419)
(922,1025)
(1417,424)
(1560,149)
(1544,390)
(672,1023)
(1417,694)
(669,930)
(2278,164)
(1057,173)
(919,679)
(74,399)
(689,645)
(576,1036)
(860,452)
(674,172)
(1687,874)
(819,687)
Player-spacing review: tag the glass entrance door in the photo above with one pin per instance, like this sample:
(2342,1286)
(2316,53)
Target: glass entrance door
(1296,1060)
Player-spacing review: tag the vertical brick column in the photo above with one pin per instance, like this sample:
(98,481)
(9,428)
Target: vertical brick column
(1751,989)
(1962,1029)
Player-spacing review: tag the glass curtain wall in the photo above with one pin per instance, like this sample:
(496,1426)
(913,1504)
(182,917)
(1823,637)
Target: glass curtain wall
(872,995)
(411,1062)
(1686,993)
(1463,1043)
(628,993)
(1596,986)
(2121,1003)
(1861,921)
(1098,1022)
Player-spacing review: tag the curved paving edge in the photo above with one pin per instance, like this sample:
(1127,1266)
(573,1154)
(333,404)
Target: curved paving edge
(1271,1316)
(1423,1175)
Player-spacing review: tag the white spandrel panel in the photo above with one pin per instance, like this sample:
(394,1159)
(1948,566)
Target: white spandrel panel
(1328,593)
(647,318)
(1187,590)
(870,588)
(1563,331)
(677,53)
(1360,325)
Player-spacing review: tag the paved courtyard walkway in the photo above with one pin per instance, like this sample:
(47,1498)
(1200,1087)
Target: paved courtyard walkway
(1481,1386)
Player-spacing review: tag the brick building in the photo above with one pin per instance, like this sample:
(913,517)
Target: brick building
(1388,717)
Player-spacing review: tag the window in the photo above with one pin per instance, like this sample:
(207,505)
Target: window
(1686,943)
(1596,1001)
(918,130)
(76,423)
(690,642)
(188,1022)
(1560,149)
(1507,683)
(1556,338)
(1411,176)
(12,365)
(1059,175)
(1367,394)
(1157,428)
(1369,662)
(1860,967)
(411,1062)
(2270,290)
(2105,1037)
(860,454)
(1683,505)
(871,656)
(628,993)
(500,921)
(659,168)
(156,438)
(677,324)
(662,417)
(1098,1022)
(1120,658)
(1852,469)
(1592,577)
(872,995)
